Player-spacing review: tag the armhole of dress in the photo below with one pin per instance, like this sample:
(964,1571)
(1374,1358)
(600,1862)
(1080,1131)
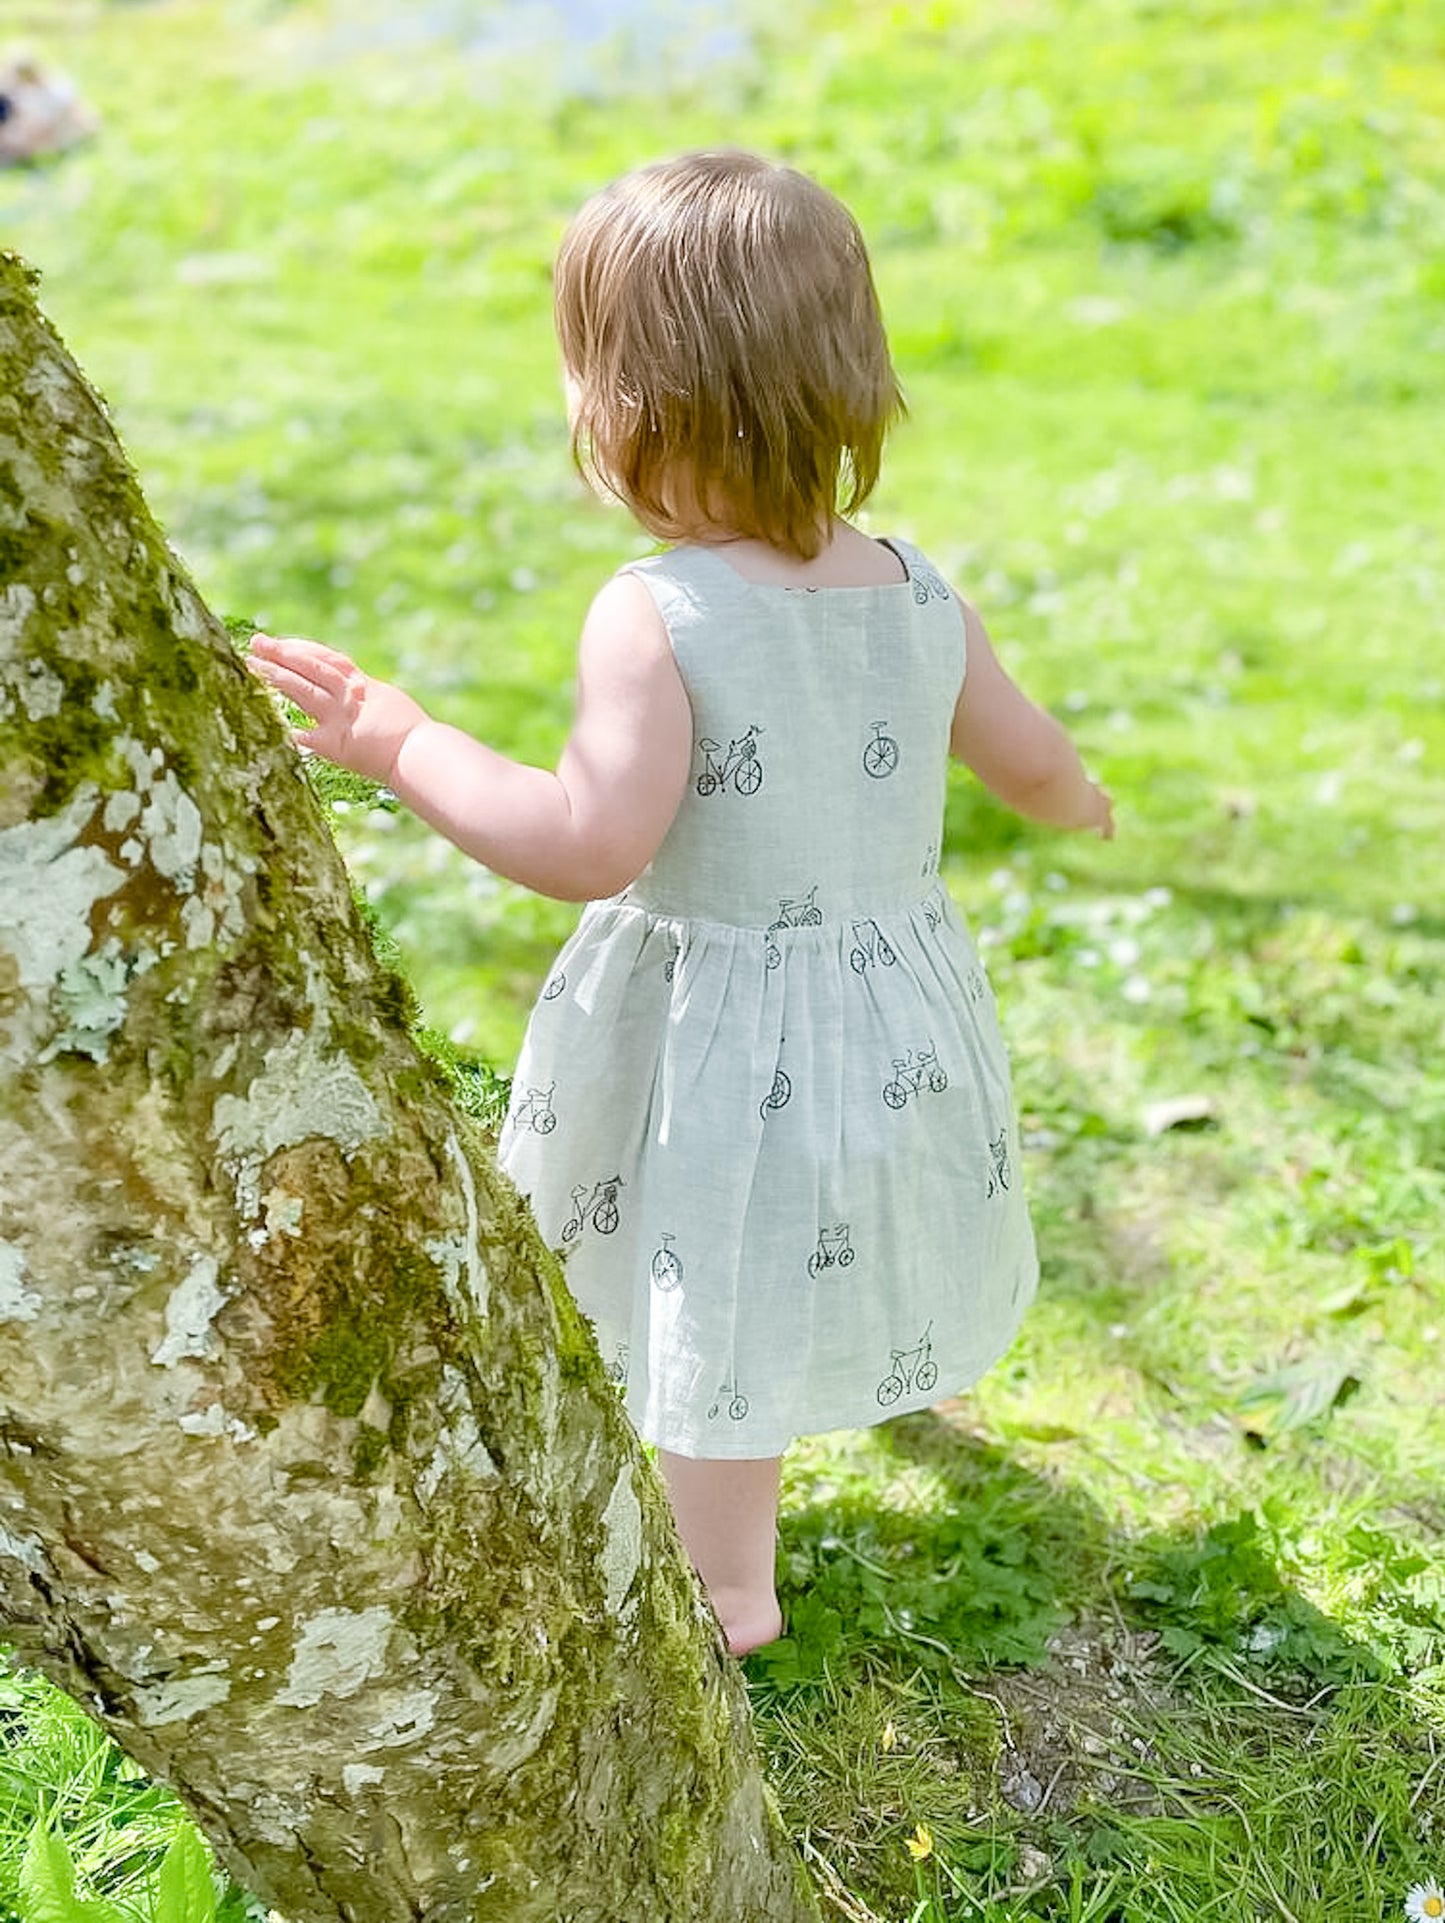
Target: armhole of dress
(657,581)
(958,601)
(668,595)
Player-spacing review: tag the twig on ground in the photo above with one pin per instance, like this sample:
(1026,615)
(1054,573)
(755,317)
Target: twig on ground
(834,1889)
(1237,1675)
(963,1681)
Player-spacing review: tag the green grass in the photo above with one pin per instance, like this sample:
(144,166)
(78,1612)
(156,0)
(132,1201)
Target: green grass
(61,1778)
(1149,1625)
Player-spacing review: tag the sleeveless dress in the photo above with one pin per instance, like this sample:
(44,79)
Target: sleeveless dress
(763,1104)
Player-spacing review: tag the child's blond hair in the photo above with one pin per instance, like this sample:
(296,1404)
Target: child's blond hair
(722,336)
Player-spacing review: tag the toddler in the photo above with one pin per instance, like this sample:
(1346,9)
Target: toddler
(763,1102)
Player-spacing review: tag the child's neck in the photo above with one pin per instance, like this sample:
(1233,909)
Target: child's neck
(848,559)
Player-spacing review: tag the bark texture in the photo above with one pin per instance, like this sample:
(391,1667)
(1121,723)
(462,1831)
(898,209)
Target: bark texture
(312,1488)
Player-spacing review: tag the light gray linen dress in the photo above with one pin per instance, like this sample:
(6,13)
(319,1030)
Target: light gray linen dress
(763,1104)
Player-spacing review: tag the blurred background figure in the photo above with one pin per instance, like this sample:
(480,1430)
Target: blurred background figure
(40,111)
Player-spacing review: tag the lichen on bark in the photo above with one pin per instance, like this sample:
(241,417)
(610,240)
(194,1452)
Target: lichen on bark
(312,1487)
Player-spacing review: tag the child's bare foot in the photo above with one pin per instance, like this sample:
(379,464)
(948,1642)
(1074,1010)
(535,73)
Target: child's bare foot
(747,1622)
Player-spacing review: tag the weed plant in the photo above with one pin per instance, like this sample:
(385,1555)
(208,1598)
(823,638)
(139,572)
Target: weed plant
(84,1837)
(1149,1624)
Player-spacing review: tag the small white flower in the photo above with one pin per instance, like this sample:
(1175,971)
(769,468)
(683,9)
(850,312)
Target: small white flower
(1425,1901)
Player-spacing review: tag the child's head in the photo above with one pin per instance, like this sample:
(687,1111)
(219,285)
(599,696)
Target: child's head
(722,337)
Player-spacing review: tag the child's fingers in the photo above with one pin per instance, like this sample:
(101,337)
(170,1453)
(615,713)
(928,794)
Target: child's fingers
(320,682)
(307,696)
(325,666)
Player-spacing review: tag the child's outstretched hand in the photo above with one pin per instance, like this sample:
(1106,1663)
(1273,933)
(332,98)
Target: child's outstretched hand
(358,722)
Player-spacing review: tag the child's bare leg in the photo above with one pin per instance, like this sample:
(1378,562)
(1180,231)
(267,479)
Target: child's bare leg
(727,1516)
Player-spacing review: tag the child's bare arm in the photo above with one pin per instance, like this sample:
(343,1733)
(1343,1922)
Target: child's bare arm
(580,833)
(1017,751)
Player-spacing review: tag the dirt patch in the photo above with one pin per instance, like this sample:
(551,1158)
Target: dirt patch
(1078,1728)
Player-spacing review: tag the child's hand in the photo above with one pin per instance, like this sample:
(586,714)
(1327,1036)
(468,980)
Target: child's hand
(1105,821)
(359,723)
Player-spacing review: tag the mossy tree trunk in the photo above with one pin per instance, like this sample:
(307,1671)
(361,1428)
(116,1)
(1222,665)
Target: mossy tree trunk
(312,1488)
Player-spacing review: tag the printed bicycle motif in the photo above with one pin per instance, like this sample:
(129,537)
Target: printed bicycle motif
(554,987)
(880,755)
(535,1112)
(737,1404)
(599,1206)
(802,912)
(779,1095)
(913,1369)
(999,1175)
(927,584)
(910,1072)
(666,1266)
(834,1249)
(870,945)
(740,764)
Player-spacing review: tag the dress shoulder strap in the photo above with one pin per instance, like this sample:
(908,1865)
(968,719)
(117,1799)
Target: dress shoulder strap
(685,581)
(928,584)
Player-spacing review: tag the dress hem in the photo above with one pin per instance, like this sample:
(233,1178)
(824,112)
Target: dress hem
(905,1406)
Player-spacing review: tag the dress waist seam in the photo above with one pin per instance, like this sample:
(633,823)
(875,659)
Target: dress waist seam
(804,918)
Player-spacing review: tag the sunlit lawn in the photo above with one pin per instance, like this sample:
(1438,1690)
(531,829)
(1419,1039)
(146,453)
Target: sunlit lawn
(1149,1624)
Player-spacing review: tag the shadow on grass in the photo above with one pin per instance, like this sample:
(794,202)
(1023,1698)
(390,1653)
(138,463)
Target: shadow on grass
(1065,1709)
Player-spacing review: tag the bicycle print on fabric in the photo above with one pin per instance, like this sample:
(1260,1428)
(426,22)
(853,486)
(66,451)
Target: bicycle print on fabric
(870,944)
(666,1266)
(730,1398)
(912,1073)
(779,1095)
(880,756)
(800,912)
(913,1369)
(928,584)
(834,1250)
(535,1110)
(763,1105)
(741,765)
(596,1206)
